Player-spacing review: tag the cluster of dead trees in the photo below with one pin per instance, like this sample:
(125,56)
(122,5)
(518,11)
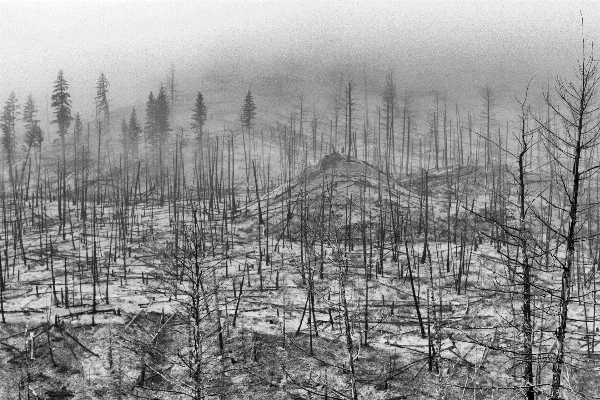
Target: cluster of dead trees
(415,210)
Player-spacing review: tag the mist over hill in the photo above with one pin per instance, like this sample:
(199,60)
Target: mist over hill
(284,51)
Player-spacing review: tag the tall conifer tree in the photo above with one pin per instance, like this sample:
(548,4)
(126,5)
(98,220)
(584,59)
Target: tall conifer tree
(248,111)
(61,103)
(8,121)
(199,117)
(162,114)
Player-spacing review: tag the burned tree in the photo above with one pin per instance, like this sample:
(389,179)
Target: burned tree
(574,145)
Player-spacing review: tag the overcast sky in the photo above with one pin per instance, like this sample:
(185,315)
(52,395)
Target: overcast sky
(454,46)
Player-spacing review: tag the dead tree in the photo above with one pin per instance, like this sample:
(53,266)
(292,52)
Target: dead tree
(577,109)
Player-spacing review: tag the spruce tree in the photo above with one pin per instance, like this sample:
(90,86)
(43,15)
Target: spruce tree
(8,121)
(150,126)
(199,117)
(134,131)
(77,128)
(102,107)
(30,122)
(61,103)
(248,111)
(162,113)
(33,133)
(37,136)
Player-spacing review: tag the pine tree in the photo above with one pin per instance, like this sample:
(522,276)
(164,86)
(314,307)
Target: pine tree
(29,113)
(199,117)
(61,103)
(33,133)
(38,136)
(102,107)
(150,126)
(248,111)
(8,122)
(162,113)
(134,131)
(78,128)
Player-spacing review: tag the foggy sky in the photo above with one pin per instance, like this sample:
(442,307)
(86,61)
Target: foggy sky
(450,46)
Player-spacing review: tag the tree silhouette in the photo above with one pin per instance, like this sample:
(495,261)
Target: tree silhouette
(162,114)
(350,107)
(248,111)
(102,107)
(151,126)
(134,131)
(199,117)
(33,132)
(31,123)
(78,127)
(8,123)
(61,103)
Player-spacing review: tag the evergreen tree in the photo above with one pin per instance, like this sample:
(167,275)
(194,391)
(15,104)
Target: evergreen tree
(162,113)
(8,121)
(102,108)
(31,123)
(61,103)
(78,128)
(38,135)
(134,131)
(248,111)
(150,126)
(389,92)
(199,117)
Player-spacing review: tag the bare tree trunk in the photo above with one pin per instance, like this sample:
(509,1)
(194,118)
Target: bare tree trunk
(579,98)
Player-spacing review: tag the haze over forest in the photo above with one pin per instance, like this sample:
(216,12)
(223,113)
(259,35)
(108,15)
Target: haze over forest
(288,48)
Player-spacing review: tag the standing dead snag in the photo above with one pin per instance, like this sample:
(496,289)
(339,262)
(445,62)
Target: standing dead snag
(414,293)
(389,100)
(348,332)
(350,106)
(426,253)
(574,146)
(526,259)
(488,97)
(516,242)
